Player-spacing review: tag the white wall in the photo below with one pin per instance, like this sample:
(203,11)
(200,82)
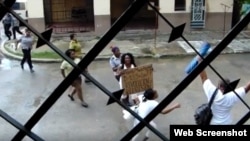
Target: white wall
(102,7)
(35,8)
(167,6)
(216,5)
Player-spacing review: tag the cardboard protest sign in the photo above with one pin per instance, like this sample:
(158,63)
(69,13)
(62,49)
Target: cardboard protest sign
(137,79)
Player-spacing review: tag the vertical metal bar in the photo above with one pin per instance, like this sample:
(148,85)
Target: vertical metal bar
(216,51)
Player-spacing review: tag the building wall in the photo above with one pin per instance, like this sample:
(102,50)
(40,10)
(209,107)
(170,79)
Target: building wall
(214,14)
(102,19)
(36,14)
(216,6)
(102,16)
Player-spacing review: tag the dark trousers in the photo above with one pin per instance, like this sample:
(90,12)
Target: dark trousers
(14,30)
(27,57)
(7,30)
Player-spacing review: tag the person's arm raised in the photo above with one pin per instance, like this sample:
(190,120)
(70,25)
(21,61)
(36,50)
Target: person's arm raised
(247,87)
(170,108)
(203,74)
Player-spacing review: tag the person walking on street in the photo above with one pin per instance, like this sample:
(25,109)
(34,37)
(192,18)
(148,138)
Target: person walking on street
(75,45)
(15,27)
(26,43)
(66,68)
(7,20)
(115,61)
(223,101)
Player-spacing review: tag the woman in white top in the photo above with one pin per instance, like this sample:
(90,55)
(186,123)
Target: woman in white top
(147,104)
(127,62)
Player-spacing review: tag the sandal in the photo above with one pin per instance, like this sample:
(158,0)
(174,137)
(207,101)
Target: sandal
(71,97)
(84,104)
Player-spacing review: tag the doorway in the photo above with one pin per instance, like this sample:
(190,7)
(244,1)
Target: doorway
(144,19)
(69,15)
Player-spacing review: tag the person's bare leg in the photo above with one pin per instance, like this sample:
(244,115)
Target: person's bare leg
(79,92)
(73,92)
(152,123)
(86,80)
(71,95)
(78,89)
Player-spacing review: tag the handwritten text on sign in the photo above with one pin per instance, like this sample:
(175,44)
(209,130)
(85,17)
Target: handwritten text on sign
(137,79)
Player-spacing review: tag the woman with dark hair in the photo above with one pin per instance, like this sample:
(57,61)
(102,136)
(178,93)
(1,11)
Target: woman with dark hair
(77,47)
(127,62)
(147,104)
(66,68)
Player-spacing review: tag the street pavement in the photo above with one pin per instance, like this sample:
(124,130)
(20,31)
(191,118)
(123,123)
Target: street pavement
(23,92)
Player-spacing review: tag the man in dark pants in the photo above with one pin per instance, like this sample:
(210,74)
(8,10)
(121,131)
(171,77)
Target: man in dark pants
(26,43)
(15,27)
(7,20)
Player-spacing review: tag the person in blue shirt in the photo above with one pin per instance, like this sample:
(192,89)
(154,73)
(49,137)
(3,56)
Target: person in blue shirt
(115,61)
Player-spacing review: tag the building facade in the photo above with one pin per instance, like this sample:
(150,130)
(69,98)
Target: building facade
(98,15)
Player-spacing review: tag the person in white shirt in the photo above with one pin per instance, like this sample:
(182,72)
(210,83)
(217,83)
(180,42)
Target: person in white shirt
(147,104)
(223,102)
(66,68)
(26,43)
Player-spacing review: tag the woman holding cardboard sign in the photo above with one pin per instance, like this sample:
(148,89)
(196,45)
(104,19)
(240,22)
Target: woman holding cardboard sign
(127,62)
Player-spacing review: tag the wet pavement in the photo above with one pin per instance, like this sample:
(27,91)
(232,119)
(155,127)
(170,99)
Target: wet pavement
(5,64)
(23,92)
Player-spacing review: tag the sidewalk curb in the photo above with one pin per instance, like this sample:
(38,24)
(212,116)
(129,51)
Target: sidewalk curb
(102,57)
(36,60)
(98,58)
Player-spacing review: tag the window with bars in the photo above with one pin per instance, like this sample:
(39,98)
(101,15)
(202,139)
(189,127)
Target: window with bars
(180,5)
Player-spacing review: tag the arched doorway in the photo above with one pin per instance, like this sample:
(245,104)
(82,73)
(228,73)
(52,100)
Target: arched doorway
(69,15)
(144,19)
